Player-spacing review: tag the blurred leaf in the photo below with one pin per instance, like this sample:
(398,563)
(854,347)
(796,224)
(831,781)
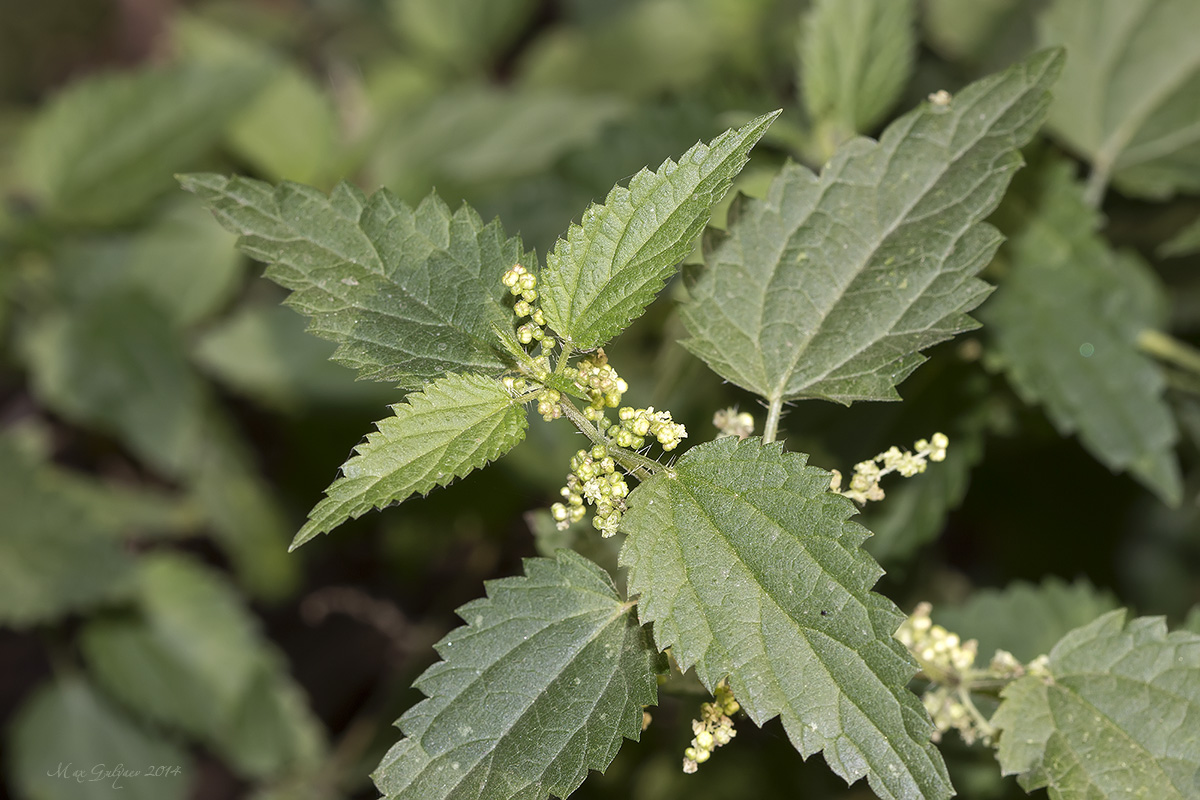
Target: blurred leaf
(1023,618)
(1129,99)
(915,511)
(856,57)
(67,739)
(978,31)
(263,351)
(1065,323)
(108,145)
(648,49)
(479,135)
(58,551)
(1117,716)
(463,34)
(194,658)
(290,131)
(541,684)
(750,569)
(180,260)
(608,269)
(449,428)
(118,364)
(831,286)
(1184,243)
(408,295)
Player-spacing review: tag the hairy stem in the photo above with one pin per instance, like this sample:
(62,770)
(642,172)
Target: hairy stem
(1167,348)
(771,428)
(635,464)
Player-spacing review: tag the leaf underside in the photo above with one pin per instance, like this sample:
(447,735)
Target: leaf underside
(408,294)
(1065,322)
(541,684)
(750,569)
(452,426)
(830,287)
(1119,716)
(1130,93)
(609,268)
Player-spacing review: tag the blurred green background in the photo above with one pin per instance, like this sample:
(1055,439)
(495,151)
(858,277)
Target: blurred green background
(165,424)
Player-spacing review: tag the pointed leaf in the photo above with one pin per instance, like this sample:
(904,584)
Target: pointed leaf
(108,145)
(1065,323)
(548,675)
(453,426)
(749,568)
(856,57)
(408,295)
(1118,715)
(1130,94)
(830,287)
(68,739)
(607,270)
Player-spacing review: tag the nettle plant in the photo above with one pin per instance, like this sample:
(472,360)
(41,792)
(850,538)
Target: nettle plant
(745,564)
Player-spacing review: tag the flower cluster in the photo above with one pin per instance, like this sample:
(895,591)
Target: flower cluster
(730,423)
(865,486)
(604,387)
(523,284)
(594,478)
(938,650)
(713,729)
(637,423)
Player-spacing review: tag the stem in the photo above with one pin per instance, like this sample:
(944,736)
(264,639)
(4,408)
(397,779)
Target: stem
(772,425)
(1167,348)
(635,464)
(1097,183)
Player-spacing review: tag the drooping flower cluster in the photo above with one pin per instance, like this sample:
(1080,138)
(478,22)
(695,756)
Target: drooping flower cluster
(730,423)
(603,385)
(938,650)
(713,729)
(636,423)
(865,486)
(594,479)
(523,284)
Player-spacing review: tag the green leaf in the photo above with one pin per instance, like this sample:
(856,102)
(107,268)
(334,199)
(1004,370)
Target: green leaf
(1065,322)
(1128,97)
(606,271)
(460,33)
(856,57)
(548,675)
(58,551)
(978,31)
(1184,243)
(290,131)
(451,427)
(1117,716)
(193,658)
(750,569)
(108,145)
(262,351)
(67,740)
(830,287)
(408,295)
(1023,618)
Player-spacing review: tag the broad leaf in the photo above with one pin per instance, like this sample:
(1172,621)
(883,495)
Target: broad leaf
(1065,323)
(441,433)
(408,295)
(193,658)
(68,739)
(830,287)
(105,147)
(58,551)
(1023,618)
(1118,716)
(607,270)
(548,675)
(856,57)
(750,569)
(1130,94)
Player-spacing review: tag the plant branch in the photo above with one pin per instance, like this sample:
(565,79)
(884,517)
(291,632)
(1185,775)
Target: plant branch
(635,464)
(774,411)
(1167,348)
